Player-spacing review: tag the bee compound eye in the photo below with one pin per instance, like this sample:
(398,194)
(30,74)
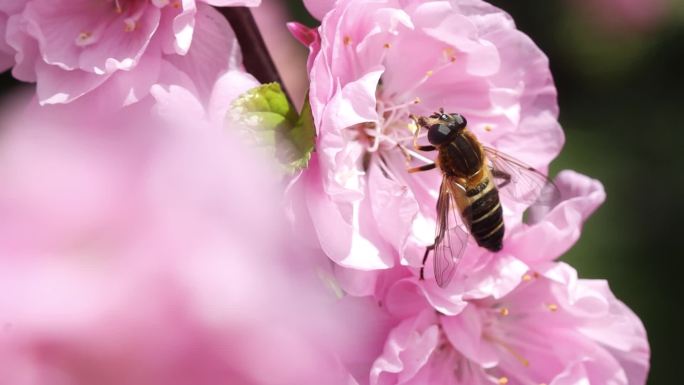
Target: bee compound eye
(459,121)
(439,134)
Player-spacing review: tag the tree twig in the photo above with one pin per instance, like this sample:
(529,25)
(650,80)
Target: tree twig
(256,58)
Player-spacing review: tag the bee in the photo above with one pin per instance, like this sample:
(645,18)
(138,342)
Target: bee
(473,177)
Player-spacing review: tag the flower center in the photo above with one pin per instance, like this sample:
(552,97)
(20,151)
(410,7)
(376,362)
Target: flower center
(395,129)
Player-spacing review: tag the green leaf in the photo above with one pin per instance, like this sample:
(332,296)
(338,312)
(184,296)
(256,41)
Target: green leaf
(265,115)
(302,136)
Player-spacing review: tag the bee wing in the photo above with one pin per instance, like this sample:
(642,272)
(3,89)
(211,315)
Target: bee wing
(521,182)
(450,240)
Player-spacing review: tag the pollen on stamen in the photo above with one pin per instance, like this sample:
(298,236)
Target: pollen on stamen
(525,277)
(387,45)
(176,4)
(347,40)
(503,380)
(429,73)
(129,25)
(488,128)
(504,311)
(84,35)
(449,54)
(552,307)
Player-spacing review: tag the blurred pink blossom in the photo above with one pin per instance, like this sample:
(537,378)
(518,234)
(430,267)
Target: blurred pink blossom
(552,329)
(377,62)
(71,48)
(150,251)
(624,15)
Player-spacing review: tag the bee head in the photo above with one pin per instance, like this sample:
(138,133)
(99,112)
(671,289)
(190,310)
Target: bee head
(445,127)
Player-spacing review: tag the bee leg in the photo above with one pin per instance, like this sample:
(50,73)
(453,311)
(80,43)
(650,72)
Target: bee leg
(422,267)
(424,167)
(404,152)
(425,148)
(502,175)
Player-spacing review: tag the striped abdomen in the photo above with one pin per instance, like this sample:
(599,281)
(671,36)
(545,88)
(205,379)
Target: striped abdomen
(483,214)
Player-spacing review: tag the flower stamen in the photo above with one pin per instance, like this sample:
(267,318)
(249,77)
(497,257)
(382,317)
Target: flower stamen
(524,361)
(129,25)
(449,54)
(84,38)
(408,151)
(428,74)
(416,100)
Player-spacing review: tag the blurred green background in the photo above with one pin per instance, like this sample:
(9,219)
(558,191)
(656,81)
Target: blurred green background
(621,87)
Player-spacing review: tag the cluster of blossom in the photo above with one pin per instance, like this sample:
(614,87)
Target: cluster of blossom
(142,242)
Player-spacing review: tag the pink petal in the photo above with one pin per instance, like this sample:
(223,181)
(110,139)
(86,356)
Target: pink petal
(621,332)
(356,101)
(118,49)
(302,33)
(183,26)
(6,51)
(394,207)
(558,230)
(27,53)
(56,26)
(465,334)
(444,301)
(318,8)
(359,283)
(407,350)
(482,57)
(346,236)
(404,299)
(480,274)
(55,85)
(213,52)
(233,3)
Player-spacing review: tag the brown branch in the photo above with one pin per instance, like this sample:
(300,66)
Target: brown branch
(256,58)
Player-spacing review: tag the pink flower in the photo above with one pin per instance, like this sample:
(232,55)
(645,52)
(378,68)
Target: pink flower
(130,255)
(378,62)
(71,48)
(481,274)
(552,329)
